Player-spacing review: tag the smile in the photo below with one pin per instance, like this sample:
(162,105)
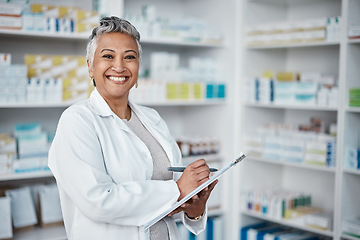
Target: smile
(118,79)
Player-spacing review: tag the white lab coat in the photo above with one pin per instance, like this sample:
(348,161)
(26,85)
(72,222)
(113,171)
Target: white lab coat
(103,171)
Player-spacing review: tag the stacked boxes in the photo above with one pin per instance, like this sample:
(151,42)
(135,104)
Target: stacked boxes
(32,148)
(189,29)
(26,152)
(12,80)
(274,203)
(44,78)
(305,88)
(161,91)
(321,152)
(10,16)
(57,78)
(170,82)
(47,18)
(352,154)
(354,32)
(284,204)
(281,143)
(7,153)
(351,226)
(304,31)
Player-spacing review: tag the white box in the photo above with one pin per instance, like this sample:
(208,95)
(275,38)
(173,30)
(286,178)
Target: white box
(5,219)
(10,22)
(22,207)
(321,220)
(10,9)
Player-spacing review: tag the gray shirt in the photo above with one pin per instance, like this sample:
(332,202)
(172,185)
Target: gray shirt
(158,231)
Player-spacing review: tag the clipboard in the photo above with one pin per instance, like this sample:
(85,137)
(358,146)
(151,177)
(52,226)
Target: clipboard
(195,191)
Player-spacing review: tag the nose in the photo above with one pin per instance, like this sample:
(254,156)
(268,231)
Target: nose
(118,66)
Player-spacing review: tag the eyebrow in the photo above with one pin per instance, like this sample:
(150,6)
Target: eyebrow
(131,51)
(107,49)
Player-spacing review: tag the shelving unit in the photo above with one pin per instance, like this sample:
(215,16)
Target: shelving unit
(301,45)
(331,188)
(295,165)
(289,107)
(289,224)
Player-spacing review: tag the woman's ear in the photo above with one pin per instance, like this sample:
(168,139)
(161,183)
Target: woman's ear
(90,69)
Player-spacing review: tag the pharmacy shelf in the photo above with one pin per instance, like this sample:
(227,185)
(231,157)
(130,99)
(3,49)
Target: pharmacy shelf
(353,109)
(46,174)
(297,165)
(67,104)
(34,34)
(298,45)
(344,236)
(215,212)
(85,37)
(23,176)
(289,223)
(295,57)
(56,232)
(36,105)
(352,171)
(295,107)
(183,103)
(354,41)
(181,42)
(207,157)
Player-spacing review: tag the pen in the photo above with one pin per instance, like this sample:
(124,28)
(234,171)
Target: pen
(181,169)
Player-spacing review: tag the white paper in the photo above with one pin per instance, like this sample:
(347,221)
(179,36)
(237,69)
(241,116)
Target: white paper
(22,207)
(5,218)
(218,174)
(214,201)
(50,207)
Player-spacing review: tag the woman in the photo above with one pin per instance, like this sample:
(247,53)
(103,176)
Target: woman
(110,156)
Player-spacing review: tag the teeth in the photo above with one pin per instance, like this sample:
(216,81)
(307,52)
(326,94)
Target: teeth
(117,79)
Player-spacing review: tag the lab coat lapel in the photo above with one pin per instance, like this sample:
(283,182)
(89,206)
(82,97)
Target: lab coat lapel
(102,109)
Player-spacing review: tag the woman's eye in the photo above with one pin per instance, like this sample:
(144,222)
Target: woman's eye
(107,56)
(130,57)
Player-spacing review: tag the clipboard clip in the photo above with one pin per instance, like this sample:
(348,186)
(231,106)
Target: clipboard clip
(240,158)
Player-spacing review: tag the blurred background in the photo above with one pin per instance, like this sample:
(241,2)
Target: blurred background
(275,79)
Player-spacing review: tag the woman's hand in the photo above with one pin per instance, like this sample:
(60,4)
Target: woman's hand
(193,176)
(196,206)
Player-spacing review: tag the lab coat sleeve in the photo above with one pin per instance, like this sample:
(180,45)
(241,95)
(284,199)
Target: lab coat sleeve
(76,160)
(195,226)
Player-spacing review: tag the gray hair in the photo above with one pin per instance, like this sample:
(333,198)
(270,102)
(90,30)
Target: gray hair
(110,25)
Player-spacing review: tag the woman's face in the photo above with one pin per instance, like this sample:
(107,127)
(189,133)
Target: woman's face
(115,66)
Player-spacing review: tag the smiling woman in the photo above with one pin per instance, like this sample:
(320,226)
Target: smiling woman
(110,156)
(115,68)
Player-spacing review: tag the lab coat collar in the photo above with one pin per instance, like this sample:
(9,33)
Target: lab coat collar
(102,108)
(99,104)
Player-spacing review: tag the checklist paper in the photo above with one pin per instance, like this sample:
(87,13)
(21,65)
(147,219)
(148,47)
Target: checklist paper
(217,175)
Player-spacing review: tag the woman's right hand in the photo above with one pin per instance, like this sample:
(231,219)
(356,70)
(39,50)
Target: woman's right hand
(193,176)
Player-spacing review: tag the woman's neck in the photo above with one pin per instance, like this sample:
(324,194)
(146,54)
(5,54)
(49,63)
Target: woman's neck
(120,108)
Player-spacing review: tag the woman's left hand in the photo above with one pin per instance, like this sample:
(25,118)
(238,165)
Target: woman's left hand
(196,206)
